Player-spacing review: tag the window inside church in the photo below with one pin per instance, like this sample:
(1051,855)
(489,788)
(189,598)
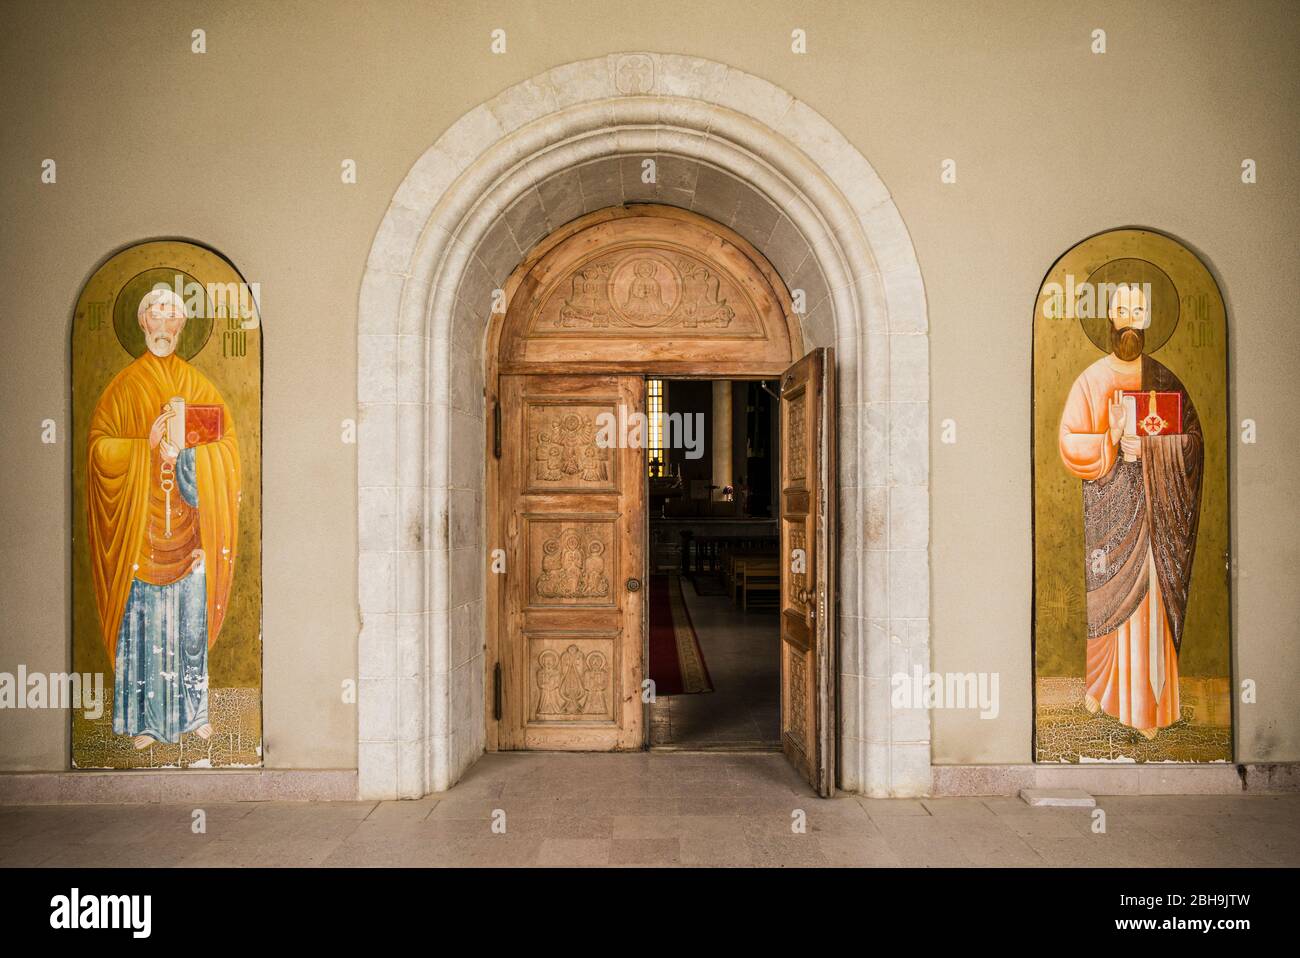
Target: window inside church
(655,462)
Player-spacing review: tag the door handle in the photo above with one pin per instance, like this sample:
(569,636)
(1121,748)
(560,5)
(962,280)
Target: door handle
(633,585)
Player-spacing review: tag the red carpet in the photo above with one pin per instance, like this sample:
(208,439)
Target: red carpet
(676,661)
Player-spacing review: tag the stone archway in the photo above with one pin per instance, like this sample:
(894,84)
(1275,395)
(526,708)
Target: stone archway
(567,142)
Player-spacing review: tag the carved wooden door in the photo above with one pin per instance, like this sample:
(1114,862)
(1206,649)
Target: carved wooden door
(808,639)
(572,508)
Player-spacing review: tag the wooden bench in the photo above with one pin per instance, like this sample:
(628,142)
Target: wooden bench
(732,564)
(758,578)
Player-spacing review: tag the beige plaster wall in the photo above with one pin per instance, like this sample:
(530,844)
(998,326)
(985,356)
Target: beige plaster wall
(240,148)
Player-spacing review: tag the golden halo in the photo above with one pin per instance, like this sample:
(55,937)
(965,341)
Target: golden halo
(127,304)
(1162,310)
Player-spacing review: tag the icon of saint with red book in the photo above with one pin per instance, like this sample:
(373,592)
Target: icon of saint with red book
(1130,432)
(162,497)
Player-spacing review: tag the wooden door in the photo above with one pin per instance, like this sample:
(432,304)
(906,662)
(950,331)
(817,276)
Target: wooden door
(808,673)
(572,510)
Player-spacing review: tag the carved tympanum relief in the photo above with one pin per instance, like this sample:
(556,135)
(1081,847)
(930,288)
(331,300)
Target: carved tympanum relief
(632,292)
(648,284)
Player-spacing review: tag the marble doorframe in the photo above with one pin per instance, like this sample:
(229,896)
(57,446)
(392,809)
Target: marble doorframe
(457,227)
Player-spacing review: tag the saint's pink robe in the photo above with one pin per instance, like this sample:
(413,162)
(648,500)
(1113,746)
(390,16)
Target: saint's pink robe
(1121,663)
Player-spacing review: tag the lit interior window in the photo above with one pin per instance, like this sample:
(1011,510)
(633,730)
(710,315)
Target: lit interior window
(655,412)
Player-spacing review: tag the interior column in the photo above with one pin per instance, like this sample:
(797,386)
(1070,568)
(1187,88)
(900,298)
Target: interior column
(722,469)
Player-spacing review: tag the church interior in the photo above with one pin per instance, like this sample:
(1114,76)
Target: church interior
(715,543)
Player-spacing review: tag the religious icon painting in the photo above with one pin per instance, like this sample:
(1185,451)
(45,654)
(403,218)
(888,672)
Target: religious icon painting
(166,513)
(1130,462)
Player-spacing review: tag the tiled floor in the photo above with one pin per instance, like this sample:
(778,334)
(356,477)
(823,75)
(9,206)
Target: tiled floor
(720,808)
(742,652)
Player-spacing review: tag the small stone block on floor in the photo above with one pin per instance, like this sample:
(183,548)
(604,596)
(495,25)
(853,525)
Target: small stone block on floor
(1057,798)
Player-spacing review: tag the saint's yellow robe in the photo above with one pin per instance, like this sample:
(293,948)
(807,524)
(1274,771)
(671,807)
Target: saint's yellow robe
(120,497)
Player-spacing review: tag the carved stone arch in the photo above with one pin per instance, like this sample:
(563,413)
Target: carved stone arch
(748,154)
(719,305)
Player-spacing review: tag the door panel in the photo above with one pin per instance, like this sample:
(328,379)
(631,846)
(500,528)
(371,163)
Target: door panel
(808,673)
(572,512)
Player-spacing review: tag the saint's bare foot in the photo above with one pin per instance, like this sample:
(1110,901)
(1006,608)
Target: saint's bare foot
(142,741)
(204,731)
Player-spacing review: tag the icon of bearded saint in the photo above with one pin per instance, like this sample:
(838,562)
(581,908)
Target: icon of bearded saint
(162,518)
(1141,499)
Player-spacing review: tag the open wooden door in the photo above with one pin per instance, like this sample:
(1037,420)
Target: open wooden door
(808,631)
(572,514)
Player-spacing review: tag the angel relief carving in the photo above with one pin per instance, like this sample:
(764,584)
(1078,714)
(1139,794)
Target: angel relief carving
(571,683)
(702,301)
(567,450)
(573,566)
(588,304)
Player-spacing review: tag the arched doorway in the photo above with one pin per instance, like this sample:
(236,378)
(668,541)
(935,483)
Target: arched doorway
(612,299)
(567,142)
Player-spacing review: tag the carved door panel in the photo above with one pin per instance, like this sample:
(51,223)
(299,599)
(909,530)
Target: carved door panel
(808,634)
(572,507)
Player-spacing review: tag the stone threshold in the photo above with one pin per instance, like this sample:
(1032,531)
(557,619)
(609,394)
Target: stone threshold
(144,786)
(1126,779)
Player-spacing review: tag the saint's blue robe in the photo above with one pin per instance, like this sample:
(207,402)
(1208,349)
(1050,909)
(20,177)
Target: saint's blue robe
(161,683)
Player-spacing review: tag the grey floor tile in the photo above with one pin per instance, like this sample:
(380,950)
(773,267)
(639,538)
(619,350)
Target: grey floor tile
(574,852)
(658,809)
(788,851)
(716,852)
(858,852)
(878,808)
(645,851)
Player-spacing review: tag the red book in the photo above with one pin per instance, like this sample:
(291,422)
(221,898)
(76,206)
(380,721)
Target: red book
(1158,413)
(204,424)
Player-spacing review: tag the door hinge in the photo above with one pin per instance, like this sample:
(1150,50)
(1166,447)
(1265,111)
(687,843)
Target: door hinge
(496,428)
(496,691)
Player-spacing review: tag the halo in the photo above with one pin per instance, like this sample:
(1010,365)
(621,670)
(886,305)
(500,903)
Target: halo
(1163,308)
(127,326)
